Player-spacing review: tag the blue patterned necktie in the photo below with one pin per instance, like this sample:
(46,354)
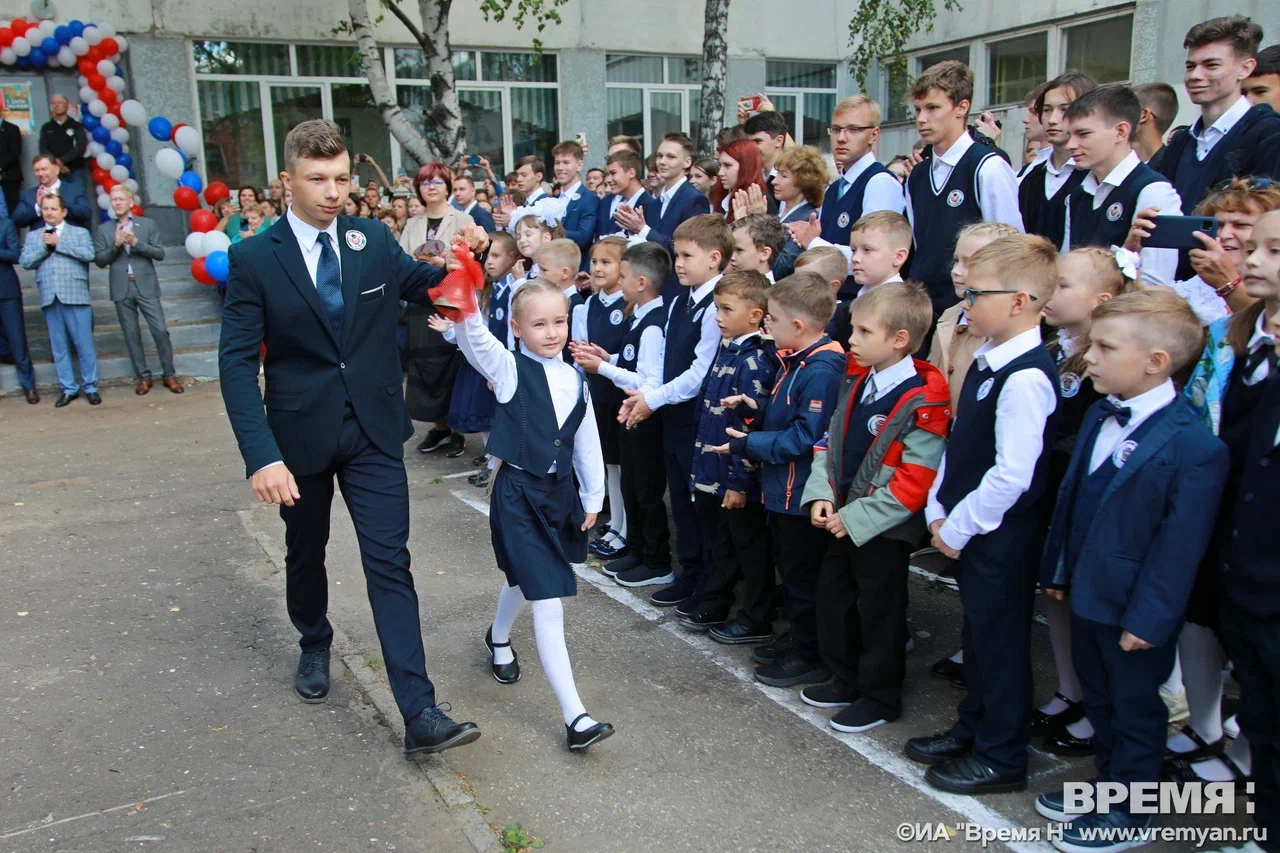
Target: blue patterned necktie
(329,284)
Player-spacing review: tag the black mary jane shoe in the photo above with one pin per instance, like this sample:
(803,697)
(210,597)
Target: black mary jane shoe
(579,741)
(1180,772)
(503,673)
(1047,724)
(1202,752)
(1063,742)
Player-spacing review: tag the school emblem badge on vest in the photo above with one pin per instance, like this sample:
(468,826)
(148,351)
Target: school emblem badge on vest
(1115,211)
(615,316)
(955,198)
(356,240)
(877,421)
(843,220)
(1122,452)
(1070,384)
(985,388)
(500,315)
(629,352)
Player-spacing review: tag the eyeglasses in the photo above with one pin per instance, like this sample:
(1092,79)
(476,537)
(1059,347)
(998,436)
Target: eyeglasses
(434,182)
(836,129)
(971,296)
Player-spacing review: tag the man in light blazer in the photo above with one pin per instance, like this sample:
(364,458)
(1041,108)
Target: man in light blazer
(60,254)
(129,250)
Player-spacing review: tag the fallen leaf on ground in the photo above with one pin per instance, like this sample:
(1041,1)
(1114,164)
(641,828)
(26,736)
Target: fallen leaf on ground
(23,612)
(221,728)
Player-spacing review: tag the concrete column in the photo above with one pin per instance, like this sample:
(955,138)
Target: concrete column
(743,76)
(160,78)
(583,106)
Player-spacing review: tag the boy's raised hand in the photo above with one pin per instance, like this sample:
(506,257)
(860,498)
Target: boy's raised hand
(738,400)
(820,511)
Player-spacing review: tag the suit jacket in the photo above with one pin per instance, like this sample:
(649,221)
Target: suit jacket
(785,264)
(10,153)
(79,211)
(140,257)
(10,253)
(579,221)
(271,299)
(481,217)
(688,202)
(605,224)
(63,273)
(1139,559)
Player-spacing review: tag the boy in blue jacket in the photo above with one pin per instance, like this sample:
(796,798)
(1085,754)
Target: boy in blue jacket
(726,488)
(783,433)
(1132,522)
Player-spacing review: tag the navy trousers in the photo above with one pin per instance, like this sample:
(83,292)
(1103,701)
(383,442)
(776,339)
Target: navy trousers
(692,547)
(1254,645)
(15,336)
(376,490)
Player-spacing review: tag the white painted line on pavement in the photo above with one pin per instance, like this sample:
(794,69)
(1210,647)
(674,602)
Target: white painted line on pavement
(134,805)
(891,762)
(459,475)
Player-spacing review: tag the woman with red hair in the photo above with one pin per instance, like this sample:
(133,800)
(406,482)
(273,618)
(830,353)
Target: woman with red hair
(740,169)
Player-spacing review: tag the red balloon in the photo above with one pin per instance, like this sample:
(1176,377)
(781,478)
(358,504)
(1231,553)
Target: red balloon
(215,192)
(95,55)
(19,26)
(173,134)
(203,221)
(136,209)
(108,96)
(114,109)
(96,81)
(110,47)
(87,67)
(198,272)
(110,183)
(6,36)
(100,175)
(186,198)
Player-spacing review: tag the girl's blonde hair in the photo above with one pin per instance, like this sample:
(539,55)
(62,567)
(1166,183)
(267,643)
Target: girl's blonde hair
(1108,279)
(530,289)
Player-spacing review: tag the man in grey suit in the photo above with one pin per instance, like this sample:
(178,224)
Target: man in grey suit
(129,250)
(60,254)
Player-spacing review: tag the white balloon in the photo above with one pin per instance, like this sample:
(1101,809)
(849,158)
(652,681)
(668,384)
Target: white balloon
(92,35)
(134,112)
(195,244)
(104,201)
(110,122)
(95,148)
(105,160)
(124,146)
(170,162)
(120,134)
(66,57)
(48,26)
(52,61)
(219,243)
(4,22)
(115,60)
(21,46)
(106,67)
(78,46)
(106,29)
(98,108)
(124,45)
(132,185)
(82,81)
(7,56)
(87,94)
(188,139)
(120,173)
(116,82)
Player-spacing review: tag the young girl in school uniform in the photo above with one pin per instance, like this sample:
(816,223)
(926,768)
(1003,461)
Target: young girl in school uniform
(544,432)
(1087,278)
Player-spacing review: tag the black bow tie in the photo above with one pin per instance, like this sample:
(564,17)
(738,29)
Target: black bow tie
(1122,414)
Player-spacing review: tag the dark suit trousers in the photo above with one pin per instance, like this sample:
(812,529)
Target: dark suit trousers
(1254,645)
(862,616)
(643,484)
(15,336)
(376,490)
(692,545)
(740,551)
(1122,700)
(127,312)
(798,549)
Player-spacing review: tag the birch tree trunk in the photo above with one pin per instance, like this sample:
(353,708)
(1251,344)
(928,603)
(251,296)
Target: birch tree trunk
(714,68)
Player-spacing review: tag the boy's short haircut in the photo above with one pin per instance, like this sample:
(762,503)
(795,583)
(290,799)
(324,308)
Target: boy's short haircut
(806,294)
(649,260)
(535,164)
(987,231)
(732,133)
(504,239)
(827,261)
(682,140)
(630,141)
(1113,103)
(1268,61)
(899,305)
(951,77)
(748,285)
(1241,32)
(771,122)
(617,245)
(708,232)
(596,169)
(765,232)
(891,224)
(1023,262)
(858,101)
(651,164)
(1162,100)
(627,160)
(561,252)
(1164,320)
(464,176)
(569,146)
(807,169)
(1034,97)
(1077,81)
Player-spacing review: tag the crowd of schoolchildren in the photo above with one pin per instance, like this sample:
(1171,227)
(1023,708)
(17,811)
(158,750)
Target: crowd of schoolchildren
(1038,408)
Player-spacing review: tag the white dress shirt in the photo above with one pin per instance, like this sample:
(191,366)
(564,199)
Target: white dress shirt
(1055,178)
(1259,339)
(880,383)
(1025,403)
(1141,407)
(665,196)
(687,384)
(538,193)
(1159,266)
(633,203)
(890,280)
(1044,152)
(497,364)
(308,237)
(648,372)
(578,324)
(882,192)
(1207,138)
(997,184)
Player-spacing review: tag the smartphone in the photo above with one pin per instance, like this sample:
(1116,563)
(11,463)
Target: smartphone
(1177,232)
(751,104)
(473,160)
(581,138)
(400,173)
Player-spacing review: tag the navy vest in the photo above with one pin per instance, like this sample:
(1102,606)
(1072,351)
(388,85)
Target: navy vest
(525,433)
(1234,154)
(864,425)
(629,354)
(1109,224)
(684,330)
(938,219)
(499,309)
(846,210)
(971,449)
(1046,217)
(1248,570)
(606,326)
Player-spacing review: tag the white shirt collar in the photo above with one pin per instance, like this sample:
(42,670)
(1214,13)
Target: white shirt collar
(706,287)
(1225,122)
(533,196)
(996,357)
(640,310)
(773,172)
(1260,337)
(738,341)
(568,191)
(52,188)
(891,377)
(675,188)
(609,298)
(470,207)
(859,166)
(1147,403)
(725,202)
(956,151)
(635,199)
(308,234)
(1067,167)
(570,291)
(1116,176)
(1044,152)
(545,362)
(769,275)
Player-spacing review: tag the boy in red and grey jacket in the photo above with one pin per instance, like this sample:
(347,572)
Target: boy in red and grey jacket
(871,478)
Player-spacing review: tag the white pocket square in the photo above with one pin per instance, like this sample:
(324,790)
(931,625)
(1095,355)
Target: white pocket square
(377,289)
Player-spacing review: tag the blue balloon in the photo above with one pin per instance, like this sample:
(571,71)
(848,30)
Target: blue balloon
(124,160)
(132,173)
(160,128)
(115,149)
(62,34)
(104,216)
(50,46)
(217,265)
(89,120)
(23,61)
(37,58)
(191,179)
(100,134)
(76,27)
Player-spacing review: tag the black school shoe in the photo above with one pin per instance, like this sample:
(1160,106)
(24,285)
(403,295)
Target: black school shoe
(1202,752)
(579,741)
(434,731)
(672,595)
(503,673)
(1046,724)
(738,633)
(605,551)
(481,459)
(776,650)
(479,479)
(311,679)
(936,748)
(1063,742)
(791,671)
(613,568)
(863,715)
(970,776)
(643,575)
(702,619)
(946,669)
(833,694)
(435,439)
(455,446)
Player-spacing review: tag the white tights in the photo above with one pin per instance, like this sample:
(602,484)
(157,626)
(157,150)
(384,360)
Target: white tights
(1202,661)
(617,512)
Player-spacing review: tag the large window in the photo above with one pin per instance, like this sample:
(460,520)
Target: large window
(805,94)
(1101,48)
(897,106)
(1016,66)
(649,96)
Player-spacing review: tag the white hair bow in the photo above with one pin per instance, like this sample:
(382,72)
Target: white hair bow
(1128,262)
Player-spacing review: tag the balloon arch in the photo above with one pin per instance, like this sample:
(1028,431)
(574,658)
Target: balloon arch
(95,50)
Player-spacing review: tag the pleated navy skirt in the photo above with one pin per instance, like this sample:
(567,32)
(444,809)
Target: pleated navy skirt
(536,526)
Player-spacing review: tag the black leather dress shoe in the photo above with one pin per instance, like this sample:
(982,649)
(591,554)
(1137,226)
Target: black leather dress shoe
(434,731)
(738,633)
(970,776)
(1045,724)
(935,749)
(93,398)
(65,399)
(311,681)
(503,673)
(33,396)
(579,741)
(946,669)
(1063,742)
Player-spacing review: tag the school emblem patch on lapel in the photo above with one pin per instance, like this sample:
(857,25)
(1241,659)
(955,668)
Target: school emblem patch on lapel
(615,316)
(356,240)
(955,198)
(629,352)
(843,220)
(1122,453)
(985,388)
(877,421)
(1115,211)
(500,315)
(1070,384)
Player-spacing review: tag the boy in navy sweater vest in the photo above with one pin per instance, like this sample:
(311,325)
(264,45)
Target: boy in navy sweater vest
(783,432)
(1043,189)
(1133,519)
(987,510)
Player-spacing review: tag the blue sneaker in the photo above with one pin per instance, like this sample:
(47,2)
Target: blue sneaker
(1104,833)
(1053,806)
